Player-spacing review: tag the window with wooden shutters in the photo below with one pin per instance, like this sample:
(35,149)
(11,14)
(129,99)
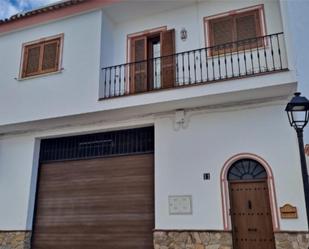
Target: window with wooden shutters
(247,27)
(41,57)
(236,31)
(152,61)
(222,34)
(222,30)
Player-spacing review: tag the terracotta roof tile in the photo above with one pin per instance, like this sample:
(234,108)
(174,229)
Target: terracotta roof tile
(44,9)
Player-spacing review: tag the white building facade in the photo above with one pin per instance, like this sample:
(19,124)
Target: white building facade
(295,15)
(149,125)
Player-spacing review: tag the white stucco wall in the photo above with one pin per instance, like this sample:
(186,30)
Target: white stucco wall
(107,47)
(93,40)
(17,161)
(209,141)
(181,158)
(191,18)
(71,91)
(107,41)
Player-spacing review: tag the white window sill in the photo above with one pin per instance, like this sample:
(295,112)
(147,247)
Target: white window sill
(40,75)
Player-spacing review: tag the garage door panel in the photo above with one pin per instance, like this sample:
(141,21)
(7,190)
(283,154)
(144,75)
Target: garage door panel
(95,212)
(99,203)
(90,191)
(89,243)
(133,205)
(89,167)
(92,221)
(71,243)
(92,182)
(92,186)
(96,241)
(132,228)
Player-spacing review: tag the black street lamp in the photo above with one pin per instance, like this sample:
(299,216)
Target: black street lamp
(298,114)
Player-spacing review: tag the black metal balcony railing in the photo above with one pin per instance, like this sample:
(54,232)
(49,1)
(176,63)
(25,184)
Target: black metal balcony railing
(232,60)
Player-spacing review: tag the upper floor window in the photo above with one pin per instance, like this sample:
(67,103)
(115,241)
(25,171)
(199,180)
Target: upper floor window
(42,56)
(152,59)
(235,30)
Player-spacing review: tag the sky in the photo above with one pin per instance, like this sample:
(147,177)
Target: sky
(11,7)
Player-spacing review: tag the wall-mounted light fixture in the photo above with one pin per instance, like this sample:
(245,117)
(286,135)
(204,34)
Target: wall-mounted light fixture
(183,34)
(181,120)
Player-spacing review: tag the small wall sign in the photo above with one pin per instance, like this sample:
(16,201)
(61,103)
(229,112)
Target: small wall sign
(288,212)
(180,204)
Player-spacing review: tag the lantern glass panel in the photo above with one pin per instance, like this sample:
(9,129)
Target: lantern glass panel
(298,119)
(299,116)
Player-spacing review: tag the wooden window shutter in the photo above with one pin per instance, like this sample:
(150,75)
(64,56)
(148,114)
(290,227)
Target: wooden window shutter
(31,60)
(168,60)
(221,31)
(138,68)
(248,25)
(50,55)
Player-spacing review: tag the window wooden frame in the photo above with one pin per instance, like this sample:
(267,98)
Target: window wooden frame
(58,39)
(166,37)
(147,32)
(130,37)
(233,14)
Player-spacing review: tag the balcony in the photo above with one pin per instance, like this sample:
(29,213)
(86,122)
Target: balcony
(234,60)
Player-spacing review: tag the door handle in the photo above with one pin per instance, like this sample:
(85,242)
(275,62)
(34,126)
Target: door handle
(252,230)
(249,204)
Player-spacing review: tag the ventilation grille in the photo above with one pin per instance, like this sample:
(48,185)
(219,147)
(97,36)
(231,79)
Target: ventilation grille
(125,142)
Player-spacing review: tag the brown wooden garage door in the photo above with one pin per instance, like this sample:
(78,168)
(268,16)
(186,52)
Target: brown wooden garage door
(98,203)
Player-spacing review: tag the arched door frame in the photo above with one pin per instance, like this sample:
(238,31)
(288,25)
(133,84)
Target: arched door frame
(225,189)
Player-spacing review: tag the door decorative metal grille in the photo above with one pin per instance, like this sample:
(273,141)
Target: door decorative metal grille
(246,169)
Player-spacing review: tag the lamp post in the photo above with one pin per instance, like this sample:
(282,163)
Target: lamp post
(298,114)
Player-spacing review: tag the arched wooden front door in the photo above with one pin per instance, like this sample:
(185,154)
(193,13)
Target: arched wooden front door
(250,206)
